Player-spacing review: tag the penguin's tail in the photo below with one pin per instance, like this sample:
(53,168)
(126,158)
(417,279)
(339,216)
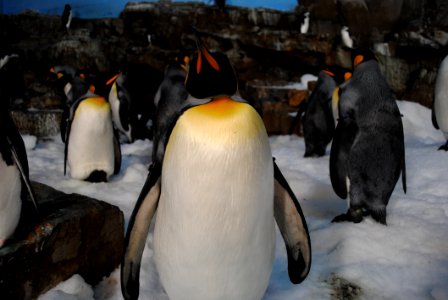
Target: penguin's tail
(403,175)
(379,214)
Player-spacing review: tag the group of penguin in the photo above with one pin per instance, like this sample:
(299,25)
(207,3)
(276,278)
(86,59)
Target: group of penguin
(213,184)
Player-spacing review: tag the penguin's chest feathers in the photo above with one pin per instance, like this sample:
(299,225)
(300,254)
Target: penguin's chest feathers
(10,202)
(215,215)
(93,114)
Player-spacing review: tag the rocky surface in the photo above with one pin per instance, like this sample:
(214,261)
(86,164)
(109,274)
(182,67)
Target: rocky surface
(266,47)
(75,235)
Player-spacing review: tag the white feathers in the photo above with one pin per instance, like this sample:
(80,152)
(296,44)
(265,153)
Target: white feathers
(10,202)
(441,97)
(69,21)
(215,219)
(305,23)
(91,141)
(5,59)
(346,39)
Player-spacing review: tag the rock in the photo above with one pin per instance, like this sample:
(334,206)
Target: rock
(75,235)
(40,123)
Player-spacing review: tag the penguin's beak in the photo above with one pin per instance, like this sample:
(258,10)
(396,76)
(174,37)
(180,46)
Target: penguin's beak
(203,51)
(113,79)
(328,72)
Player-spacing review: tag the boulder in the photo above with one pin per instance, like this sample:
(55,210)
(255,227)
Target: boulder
(74,235)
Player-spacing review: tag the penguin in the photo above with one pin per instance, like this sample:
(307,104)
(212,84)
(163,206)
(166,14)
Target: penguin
(131,99)
(439,110)
(335,97)
(345,36)
(217,192)
(305,24)
(92,149)
(318,123)
(66,18)
(367,153)
(169,99)
(15,184)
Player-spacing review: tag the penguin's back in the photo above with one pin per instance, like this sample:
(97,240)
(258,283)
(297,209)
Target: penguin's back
(215,219)
(91,139)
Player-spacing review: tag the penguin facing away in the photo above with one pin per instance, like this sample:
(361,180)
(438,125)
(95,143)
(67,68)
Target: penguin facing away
(217,192)
(92,150)
(14,173)
(169,100)
(440,103)
(367,153)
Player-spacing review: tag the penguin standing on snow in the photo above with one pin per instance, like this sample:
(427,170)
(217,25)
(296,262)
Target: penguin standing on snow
(66,19)
(92,150)
(440,104)
(318,122)
(14,173)
(367,153)
(131,100)
(216,190)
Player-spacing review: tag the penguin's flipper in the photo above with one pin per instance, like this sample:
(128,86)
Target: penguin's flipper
(292,225)
(117,153)
(137,232)
(22,165)
(344,136)
(123,110)
(433,117)
(67,138)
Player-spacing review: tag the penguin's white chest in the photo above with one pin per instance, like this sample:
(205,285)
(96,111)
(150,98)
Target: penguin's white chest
(91,139)
(215,233)
(441,97)
(10,202)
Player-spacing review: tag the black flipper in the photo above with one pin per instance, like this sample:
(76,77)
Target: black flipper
(344,136)
(433,116)
(117,153)
(22,165)
(137,232)
(292,225)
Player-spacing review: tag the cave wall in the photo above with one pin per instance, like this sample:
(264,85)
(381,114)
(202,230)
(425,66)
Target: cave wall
(265,46)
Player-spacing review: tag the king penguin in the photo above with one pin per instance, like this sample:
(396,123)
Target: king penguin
(318,123)
(217,192)
(440,104)
(367,153)
(169,100)
(66,18)
(92,150)
(14,173)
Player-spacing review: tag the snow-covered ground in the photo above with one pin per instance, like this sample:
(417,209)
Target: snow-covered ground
(408,259)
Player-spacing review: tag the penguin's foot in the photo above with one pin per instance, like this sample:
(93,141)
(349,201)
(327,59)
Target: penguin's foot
(97,176)
(379,215)
(352,215)
(444,147)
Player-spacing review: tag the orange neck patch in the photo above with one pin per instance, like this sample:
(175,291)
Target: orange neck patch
(219,107)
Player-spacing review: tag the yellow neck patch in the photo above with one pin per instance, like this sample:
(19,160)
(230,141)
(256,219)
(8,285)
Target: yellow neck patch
(219,107)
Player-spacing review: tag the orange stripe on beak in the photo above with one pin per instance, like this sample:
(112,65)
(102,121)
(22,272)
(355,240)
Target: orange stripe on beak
(112,79)
(328,72)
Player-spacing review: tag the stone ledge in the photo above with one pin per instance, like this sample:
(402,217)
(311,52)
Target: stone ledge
(77,235)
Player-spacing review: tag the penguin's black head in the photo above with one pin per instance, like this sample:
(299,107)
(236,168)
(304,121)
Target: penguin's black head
(12,84)
(362,55)
(210,74)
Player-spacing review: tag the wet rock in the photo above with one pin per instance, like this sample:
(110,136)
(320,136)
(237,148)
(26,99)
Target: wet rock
(75,235)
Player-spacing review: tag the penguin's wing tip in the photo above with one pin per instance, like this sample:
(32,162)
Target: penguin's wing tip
(293,227)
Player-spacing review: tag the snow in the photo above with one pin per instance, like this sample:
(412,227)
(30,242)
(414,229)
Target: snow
(408,259)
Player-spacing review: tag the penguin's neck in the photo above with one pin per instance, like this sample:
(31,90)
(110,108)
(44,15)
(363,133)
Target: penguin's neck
(219,107)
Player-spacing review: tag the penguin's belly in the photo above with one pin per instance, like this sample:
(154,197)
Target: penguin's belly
(441,98)
(90,146)
(215,233)
(115,107)
(10,202)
